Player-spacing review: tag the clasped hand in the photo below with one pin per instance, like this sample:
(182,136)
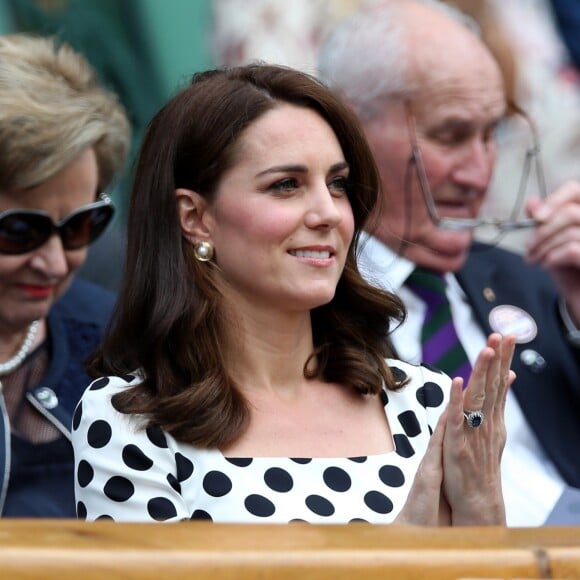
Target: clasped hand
(459,480)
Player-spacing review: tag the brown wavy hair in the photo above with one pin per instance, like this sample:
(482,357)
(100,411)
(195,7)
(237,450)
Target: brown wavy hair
(171,317)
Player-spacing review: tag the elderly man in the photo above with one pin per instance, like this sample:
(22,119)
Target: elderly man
(430,96)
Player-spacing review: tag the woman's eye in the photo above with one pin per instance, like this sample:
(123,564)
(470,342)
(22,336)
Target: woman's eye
(339,186)
(285,185)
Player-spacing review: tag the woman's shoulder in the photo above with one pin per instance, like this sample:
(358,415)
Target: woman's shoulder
(417,373)
(427,384)
(110,385)
(97,402)
(100,391)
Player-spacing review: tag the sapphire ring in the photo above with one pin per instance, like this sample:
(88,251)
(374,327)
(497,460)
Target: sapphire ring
(474,418)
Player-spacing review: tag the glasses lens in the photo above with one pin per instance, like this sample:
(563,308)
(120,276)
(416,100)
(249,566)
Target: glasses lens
(517,176)
(22,232)
(85,227)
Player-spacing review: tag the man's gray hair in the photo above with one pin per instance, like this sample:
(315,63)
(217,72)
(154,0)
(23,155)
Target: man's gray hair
(365,59)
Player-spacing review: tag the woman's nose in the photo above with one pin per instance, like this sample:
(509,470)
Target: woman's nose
(50,258)
(323,211)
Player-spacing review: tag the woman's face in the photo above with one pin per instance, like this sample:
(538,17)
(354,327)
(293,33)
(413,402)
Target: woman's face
(30,283)
(281,222)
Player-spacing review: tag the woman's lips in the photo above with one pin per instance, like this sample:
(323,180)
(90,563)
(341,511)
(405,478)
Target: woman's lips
(36,291)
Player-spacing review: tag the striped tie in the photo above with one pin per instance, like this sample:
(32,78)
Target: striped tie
(441,346)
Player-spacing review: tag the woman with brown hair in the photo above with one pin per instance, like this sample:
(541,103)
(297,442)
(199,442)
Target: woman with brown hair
(246,377)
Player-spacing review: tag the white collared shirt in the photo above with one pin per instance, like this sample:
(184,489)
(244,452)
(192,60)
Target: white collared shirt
(531,484)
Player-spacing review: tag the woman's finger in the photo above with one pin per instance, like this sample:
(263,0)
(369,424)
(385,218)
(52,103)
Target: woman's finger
(507,376)
(475,393)
(493,378)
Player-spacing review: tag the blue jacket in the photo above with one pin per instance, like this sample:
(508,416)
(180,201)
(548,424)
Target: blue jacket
(567,16)
(547,386)
(37,480)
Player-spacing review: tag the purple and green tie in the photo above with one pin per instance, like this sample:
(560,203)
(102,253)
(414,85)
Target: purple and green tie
(441,346)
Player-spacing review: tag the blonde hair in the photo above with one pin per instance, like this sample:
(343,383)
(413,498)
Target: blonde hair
(52,108)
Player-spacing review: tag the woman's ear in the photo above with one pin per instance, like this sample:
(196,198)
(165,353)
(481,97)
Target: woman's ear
(192,209)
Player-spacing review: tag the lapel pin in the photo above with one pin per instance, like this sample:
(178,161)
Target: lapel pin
(489,294)
(533,360)
(46,397)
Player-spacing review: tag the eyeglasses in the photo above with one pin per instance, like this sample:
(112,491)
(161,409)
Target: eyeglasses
(25,230)
(532,159)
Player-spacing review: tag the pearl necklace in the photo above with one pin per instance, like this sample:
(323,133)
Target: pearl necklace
(13,363)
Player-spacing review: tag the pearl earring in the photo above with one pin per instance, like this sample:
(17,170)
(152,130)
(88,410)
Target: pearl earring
(203,251)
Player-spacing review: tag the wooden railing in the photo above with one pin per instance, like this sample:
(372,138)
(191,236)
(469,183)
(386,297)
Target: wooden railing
(68,549)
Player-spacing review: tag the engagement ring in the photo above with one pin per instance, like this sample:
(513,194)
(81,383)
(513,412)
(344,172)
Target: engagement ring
(474,418)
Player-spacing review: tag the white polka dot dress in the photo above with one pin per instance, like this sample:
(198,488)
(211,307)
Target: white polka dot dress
(129,473)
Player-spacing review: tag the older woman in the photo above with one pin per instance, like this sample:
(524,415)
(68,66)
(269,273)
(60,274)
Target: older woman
(246,377)
(62,138)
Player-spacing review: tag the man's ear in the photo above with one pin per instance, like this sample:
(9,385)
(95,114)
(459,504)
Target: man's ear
(192,209)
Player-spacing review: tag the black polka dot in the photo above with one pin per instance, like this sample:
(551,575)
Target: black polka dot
(156,436)
(104,517)
(432,368)
(99,384)
(301,460)
(409,423)
(360,459)
(136,459)
(81,511)
(161,509)
(128,378)
(201,515)
(403,446)
(240,461)
(85,473)
(358,521)
(184,467)
(298,521)
(77,416)
(99,434)
(259,506)
(398,374)
(391,475)
(337,479)
(172,480)
(217,484)
(278,479)
(119,488)
(378,502)
(430,395)
(319,505)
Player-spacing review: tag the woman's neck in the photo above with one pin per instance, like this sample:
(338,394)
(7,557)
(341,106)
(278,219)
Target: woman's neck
(269,352)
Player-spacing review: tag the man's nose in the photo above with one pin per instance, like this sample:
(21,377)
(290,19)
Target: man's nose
(474,167)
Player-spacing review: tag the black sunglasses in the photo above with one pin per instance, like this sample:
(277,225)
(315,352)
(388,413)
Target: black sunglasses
(25,230)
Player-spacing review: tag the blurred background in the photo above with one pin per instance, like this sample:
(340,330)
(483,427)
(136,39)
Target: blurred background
(147,49)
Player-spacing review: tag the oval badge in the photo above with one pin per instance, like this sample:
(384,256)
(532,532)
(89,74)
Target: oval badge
(507,319)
